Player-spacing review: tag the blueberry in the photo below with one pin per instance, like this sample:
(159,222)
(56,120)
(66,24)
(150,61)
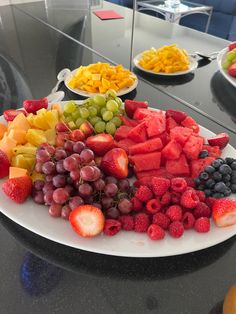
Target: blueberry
(217,195)
(225,169)
(229,160)
(217,176)
(233,188)
(220,187)
(207,192)
(197,181)
(227,192)
(209,169)
(210,183)
(228,184)
(233,165)
(203,175)
(226,178)
(233,173)
(216,164)
(233,180)
(201,187)
(203,153)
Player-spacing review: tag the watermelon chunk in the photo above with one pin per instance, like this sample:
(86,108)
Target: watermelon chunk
(172,150)
(143,162)
(165,138)
(162,172)
(177,115)
(178,167)
(128,122)
(132,105)
(125,144)
(213,151)
(156,124)
(138,133)
(142,113)
(199,165)
(189,122)
(170,124)
(122,132)
(146,147)
(180,134)
(192,147)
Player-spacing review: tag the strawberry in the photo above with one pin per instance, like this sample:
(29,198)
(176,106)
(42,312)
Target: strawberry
(18,189)
(177,115)
(132,105)
(232,45)
(10,114)
(232,69)
(4,164)
(224,212)
(87,220)
(160,185)
(220,140)
(86,128)
(100,143)
(115,163)
(33,105)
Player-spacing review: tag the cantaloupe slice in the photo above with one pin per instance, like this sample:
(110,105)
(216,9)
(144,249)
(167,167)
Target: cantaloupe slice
(15,172)
(3,129)
(20,122)
(17,135)
(6,145)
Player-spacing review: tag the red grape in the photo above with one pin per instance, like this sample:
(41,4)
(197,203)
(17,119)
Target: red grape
(38,197)
(60,154)
(70,163)
(75,174)
(87,173)
(75,202)
(112,212)
(78,147)
(55,210)
(60,167)
(42,155)
(60,196)
(69,145)
(38,185)
(65,212)
(48,199)
(85,190)
(59,181)
(110,179)
(48,186)
(48,167)
(111,189)
(87,155)
(123,185)
(125,206)
(99,184)
(106,202)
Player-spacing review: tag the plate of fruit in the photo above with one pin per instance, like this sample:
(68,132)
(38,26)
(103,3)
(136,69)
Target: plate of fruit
(166,61)
(98,78)
(227,63)
(143,183)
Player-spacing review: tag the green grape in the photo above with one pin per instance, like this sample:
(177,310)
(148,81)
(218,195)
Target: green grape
(99,100)
(119,101)
(100,127)
(231,55)
(107,115)
(226,64)
(66,114)
(116,121)
(94,120)
(103,110)
(72,125)
(110,128)
(70,106)
(79,121)
(84,113)
(75,115)
(68,119)
(112,105)
(92,111)
(111,93)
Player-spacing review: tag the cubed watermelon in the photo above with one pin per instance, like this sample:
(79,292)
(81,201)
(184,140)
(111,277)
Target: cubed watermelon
(132,105)
(162,172)
(156,124)
(138,133)
(199,165)
(143,162)
(125,144)
(122,132)
(192,147)
(180,134)
(128,122)
(213,151)
(177,115)
(142,113)
(146,147)
(165,138)
(178,167)
(170,124)
(189,122)
(172,150)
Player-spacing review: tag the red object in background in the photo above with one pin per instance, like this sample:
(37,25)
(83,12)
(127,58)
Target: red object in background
(108,15)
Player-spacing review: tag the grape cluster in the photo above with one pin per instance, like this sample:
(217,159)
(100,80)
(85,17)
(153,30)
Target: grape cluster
(101,111)
(73,177)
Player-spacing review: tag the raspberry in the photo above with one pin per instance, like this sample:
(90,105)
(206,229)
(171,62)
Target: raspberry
(166,198)
(137,204)
(201,195)
(189,199)
(202,225)
(161,220)
(210,201)
(153,206)
(141,222)
(155,232)
(188,220)
(176,229)
(190,182)
(175,197)
(143,193)
(202,210)
(160,185)
(174,212)
(111,227)
(178,184)
(127,222)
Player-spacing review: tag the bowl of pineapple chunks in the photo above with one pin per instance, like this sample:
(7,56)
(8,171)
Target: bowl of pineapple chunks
(166,60)
(98,78)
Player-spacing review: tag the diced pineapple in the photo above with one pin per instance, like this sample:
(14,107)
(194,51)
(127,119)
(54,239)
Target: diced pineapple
(40,121)
(52,118)
(23,161)
(36,137)
(51,136)
(23,149)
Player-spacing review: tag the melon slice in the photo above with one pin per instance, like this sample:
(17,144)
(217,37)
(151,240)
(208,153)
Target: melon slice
(15,172)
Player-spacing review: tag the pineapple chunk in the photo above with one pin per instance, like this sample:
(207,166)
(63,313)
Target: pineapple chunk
(51,136)
(36,137)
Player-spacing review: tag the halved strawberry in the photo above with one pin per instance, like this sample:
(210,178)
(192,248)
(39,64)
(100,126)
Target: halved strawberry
(177,115)
(4,164)
(87,220)
(33,105)
(115,163)
(220,140)
(100,143)
(224,212)
(232,45)
(10,114)
(18,189)
(132,105)
(232,69)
